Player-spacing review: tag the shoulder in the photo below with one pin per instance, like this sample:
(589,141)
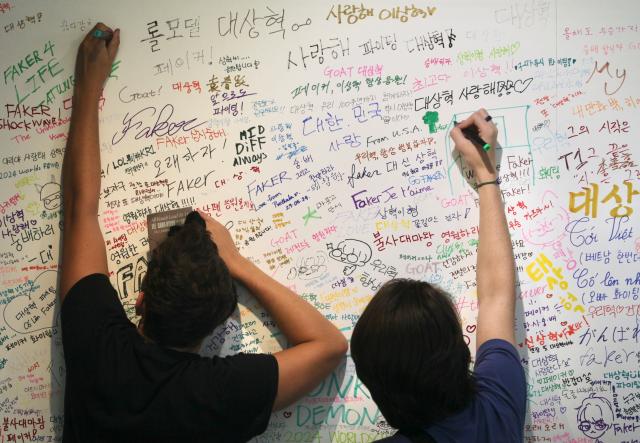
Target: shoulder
(500,381)
(247,368)
(92,286)
(245,375)
(90,307)
(497,349)
(91,298)
(499,360)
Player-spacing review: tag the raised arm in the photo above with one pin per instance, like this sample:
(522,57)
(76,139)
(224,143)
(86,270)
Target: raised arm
(317,345)
(83,249)
(495,272)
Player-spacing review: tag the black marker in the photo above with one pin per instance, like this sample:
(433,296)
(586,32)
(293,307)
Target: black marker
(471,133)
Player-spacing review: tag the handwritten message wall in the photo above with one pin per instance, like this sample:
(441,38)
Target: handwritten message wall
(318,132)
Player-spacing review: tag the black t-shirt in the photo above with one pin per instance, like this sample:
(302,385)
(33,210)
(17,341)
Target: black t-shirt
(120,387)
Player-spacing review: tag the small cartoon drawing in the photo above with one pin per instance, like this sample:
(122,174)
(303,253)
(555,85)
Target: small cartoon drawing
(549,227)
(595,416)
(50,194)
(352,253)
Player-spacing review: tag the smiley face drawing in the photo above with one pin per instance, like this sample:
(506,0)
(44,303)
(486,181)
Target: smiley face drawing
(50,194)
(595,416)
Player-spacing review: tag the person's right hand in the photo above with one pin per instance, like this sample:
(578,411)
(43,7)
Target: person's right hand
(483,164)
(226,247)
(95,57)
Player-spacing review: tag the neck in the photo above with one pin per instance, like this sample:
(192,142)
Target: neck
(192,349)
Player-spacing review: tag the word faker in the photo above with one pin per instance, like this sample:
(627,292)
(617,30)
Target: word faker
(161,127)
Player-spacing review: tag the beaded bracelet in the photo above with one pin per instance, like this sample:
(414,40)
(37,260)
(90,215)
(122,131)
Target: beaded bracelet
(492,182)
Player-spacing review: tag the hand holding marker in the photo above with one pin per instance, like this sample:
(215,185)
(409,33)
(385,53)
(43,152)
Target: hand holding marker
(472,134)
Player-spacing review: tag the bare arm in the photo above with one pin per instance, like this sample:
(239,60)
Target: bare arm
(317,345)
(495,272)
(83,249)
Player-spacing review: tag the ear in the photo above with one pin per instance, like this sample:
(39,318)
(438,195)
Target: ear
(140,303)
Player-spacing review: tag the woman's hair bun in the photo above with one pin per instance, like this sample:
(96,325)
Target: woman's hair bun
(192,219)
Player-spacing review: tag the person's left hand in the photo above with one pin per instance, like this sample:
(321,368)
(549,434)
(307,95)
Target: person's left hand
(95,57)
(226,247)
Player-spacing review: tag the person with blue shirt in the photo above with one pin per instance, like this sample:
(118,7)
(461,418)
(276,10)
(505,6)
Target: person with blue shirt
(408,347)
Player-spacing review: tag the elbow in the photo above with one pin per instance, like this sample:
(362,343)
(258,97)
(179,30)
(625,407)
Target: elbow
(339,347)
(332,349)
(344,345)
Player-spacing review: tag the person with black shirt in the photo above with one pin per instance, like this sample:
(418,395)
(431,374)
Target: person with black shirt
(147,383)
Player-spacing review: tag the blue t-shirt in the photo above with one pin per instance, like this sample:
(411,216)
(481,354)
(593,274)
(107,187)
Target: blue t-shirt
(496,413)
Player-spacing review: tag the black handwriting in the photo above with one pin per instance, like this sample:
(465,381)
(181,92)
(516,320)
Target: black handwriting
(161,127)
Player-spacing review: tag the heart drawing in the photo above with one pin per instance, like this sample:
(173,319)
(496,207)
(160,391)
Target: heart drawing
(34,311)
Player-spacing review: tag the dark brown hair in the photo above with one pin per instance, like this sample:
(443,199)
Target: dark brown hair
(188,290)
